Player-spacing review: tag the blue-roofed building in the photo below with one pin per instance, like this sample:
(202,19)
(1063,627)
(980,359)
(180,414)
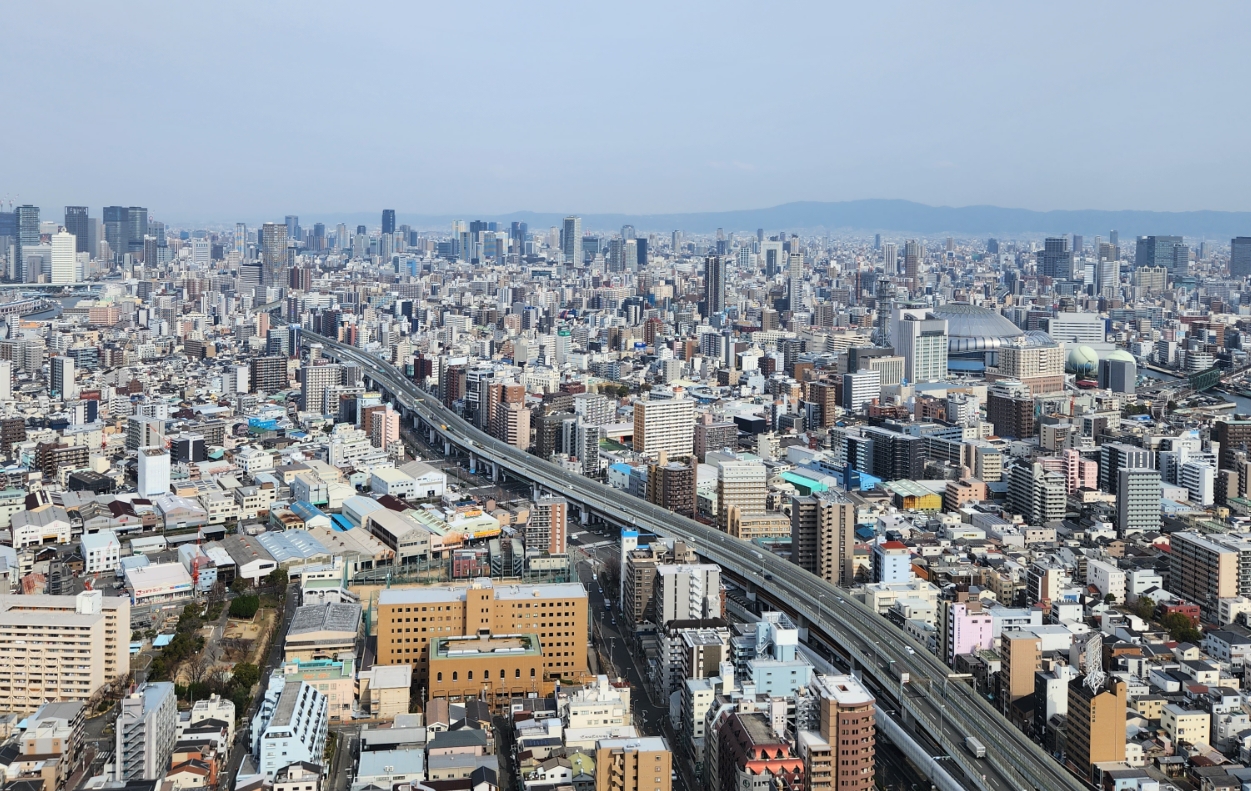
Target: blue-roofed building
(340,523)
(292,547)
(311,514)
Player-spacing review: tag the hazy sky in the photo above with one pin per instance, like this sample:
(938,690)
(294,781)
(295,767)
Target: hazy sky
(249,110)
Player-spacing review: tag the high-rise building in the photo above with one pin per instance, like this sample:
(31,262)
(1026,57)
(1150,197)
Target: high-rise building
(384,427)
(912,263)
(890,258)
(1038,495)
(137,224)
(76,223)
(62,382)
(64,258)
(859,390)
(1040,367)
(741,484)
(664,425)
(795,281)
(714,284)
(548,527)
(1056,259)
(1203,571)
(388,221)
(316,378)
(1095,731)
(571,241)
(268,374)
(922,342)
(1022,658)
(273,253)
(146,730)
(1240,256)
(671,485)
(823,536)
(117,230)
(841,755)
(26,221)
(1156,251)
(43,638)
(1117,456)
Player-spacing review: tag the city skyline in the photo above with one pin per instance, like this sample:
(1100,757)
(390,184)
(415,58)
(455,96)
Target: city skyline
(700,112)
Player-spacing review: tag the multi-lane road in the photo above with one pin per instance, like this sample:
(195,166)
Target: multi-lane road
(950,710)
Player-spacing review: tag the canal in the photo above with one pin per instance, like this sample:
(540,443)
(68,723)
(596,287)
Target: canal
(1243,405)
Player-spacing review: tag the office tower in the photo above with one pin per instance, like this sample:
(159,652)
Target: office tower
(154,465)
(912,263)
(76,223)
(1114,237)
(62,383)
(571,241)
(137,224)
(922,342)
(384,427)
(742,485)
(841,755)
(146,730)
(388,221)
(1095,731)
(667,425)
(1056,260)
(64,258)
(1118,375)
(795,281)
(1075,328)
(316,379)
(859,391)
(241,240)
(43,640)
(890,258)
(1156,251)
(117,230)
(1117,456)
(671,485)
(1181,260)
(642,763)
(292,222)
(1240,256)
(268,374)
(1079,246)
(467,607)
(823,536)
(188,448)
(1137,501)
(26,222)
(547,530)
(1036,494)
(273,253)
(714,285)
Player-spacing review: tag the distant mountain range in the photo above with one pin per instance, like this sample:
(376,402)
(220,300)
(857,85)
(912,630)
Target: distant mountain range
(869,216)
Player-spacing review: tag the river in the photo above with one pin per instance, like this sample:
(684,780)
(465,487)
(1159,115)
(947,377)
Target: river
(1243,404)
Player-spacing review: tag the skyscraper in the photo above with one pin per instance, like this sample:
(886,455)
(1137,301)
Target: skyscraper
(64,258)
(27,221)
(1240,256)
(61,383)
(1137,501)
(912,263)
(890,258)
(76,223)
(923,344)
(571,241)
(388,220)
(1056,259)
(241,240)
(137,222)
(714,284)
(117,230)
(273,252)
(795,281)
(1156,251)
(293,226)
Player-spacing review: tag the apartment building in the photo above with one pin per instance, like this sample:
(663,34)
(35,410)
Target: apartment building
(823,536)
(146,731)
(61,647)
(639,764)
(665,425)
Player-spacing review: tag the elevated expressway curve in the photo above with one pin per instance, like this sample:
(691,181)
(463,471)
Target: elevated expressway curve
(933,703)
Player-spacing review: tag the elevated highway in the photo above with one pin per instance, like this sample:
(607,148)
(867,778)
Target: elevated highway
(933,703)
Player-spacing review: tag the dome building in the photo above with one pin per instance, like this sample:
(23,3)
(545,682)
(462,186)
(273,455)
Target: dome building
(976,334)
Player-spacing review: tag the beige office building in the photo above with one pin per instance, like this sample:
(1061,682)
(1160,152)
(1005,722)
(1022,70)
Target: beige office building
(61,647)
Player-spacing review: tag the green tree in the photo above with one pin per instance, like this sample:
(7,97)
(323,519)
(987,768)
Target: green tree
(1181,628)
(1144,608)
(239,585)
(244,606)
(277,578)
(246,675)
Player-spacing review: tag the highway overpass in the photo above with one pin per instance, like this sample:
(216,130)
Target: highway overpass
(933,703)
